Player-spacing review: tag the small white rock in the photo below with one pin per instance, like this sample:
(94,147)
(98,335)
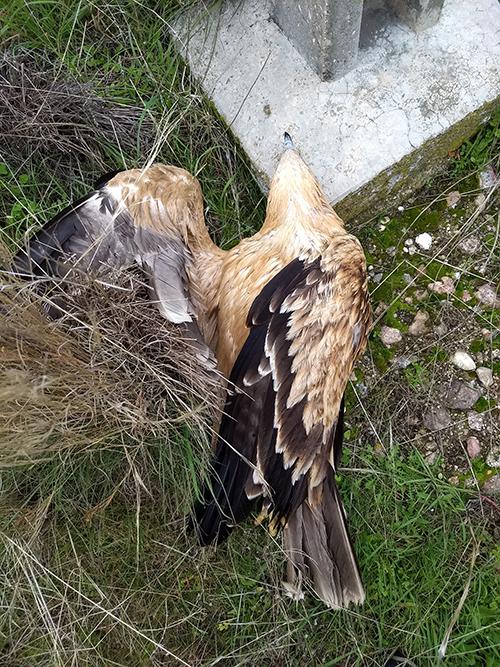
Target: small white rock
(485,376)
(409,242)
(441,329)
(492,486)
(466,296)
(487,295)
(453,198)
(463,360)
(421,294)
(424,241)
(488,178)
(380,309)
(470,245)
(390,336)
(401,209)
(480,201)
(403,362)
(419,325)
(475,420)
(473,447)
(493,458)
(444,286)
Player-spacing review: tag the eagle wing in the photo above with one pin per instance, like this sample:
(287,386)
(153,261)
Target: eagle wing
(132,218)
(281,434)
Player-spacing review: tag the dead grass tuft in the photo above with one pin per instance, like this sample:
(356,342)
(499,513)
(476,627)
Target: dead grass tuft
(108,369)
(54,118)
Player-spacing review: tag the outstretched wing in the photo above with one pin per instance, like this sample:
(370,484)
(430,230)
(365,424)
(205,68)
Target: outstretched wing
(135,217)
(282,430)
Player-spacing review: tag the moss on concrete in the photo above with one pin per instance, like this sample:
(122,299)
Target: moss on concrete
(413,171)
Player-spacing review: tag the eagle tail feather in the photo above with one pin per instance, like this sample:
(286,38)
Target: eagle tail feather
(319,550)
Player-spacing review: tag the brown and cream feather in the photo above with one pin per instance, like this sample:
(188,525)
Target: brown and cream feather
(285,315)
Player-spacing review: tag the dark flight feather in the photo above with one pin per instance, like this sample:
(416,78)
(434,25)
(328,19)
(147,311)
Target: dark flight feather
(248,433)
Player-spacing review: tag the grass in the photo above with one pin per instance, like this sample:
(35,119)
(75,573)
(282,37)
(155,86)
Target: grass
(97,566)
(475,153)
(123,51)
(416,538)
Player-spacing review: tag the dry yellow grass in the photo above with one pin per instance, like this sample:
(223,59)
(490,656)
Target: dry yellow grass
(100,368)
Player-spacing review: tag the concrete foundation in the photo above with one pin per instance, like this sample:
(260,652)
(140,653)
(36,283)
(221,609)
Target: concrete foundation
(376,131)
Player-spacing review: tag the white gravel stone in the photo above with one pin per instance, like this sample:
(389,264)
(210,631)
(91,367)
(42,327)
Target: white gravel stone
(444,286)
(421,294)
(390,336)
(475,420)
(362,389)
(473,447)
(493,458)
(487,295)
(463,360)
(488,178)
(492,486)
(441,329)
(485,376)
(480,200)
(424,241)
(403,362)
(419,325)
(453,198)
(470,245)
(466,296)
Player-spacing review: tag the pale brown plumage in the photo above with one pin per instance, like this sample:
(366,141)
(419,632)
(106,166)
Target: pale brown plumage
(286,314)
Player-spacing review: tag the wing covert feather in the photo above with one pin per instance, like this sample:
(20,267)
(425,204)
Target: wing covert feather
(150,218)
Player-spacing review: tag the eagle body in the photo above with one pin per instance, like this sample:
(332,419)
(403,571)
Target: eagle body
(283,316)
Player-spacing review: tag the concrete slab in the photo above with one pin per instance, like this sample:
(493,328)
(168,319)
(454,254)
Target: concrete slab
(380,128)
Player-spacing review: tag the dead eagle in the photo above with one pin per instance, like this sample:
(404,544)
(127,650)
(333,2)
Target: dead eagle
(286,315)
